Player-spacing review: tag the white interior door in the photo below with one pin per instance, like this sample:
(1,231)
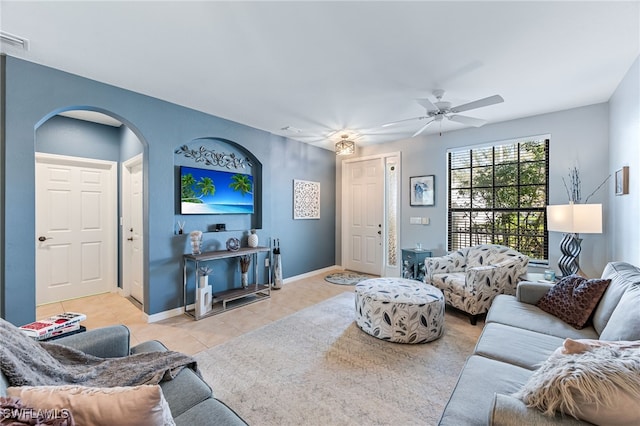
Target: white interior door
(133,249)
(363,195)
(75,227)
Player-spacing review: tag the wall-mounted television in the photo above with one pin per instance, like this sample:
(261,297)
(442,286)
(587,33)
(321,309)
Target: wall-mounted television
(205,191)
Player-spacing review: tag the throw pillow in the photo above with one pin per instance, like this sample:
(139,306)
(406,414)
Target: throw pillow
(123,406)
(14,413)
(601,386)
(573,299)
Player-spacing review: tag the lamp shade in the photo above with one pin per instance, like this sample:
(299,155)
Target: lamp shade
(575,218)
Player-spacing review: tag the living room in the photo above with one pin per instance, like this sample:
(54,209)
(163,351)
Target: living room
(599,137)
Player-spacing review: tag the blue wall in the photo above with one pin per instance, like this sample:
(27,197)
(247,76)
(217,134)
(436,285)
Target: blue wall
(33,93)
(78,138)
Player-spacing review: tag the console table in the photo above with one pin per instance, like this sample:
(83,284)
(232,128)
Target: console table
(413,263)
(252,293)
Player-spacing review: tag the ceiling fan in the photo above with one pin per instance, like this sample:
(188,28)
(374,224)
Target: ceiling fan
(437,111)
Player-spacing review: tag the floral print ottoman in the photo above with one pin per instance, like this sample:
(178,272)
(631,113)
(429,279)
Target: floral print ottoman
(399,310)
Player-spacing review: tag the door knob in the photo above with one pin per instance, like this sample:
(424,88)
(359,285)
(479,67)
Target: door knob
(130,239)
(379,232)
(42,239)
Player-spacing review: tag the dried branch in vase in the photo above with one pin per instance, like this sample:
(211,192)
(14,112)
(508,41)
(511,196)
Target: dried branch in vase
(245,261)
(575,192)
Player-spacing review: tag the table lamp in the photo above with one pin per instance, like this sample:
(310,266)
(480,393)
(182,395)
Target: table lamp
(573,219)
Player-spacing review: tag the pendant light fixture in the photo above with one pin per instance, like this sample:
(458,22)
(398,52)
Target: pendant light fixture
(345,146)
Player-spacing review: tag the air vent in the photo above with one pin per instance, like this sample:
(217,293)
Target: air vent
(14,40)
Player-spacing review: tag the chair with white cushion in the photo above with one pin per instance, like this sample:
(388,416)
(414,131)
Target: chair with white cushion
(471,277)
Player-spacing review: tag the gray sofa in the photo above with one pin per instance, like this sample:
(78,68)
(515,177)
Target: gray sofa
(518,336)
(190,399)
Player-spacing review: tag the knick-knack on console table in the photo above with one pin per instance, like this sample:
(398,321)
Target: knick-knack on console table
(204,292)
(252,241)
(196,241)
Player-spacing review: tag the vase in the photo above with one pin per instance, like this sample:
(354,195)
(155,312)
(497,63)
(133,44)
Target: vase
(204,281)
(253,239)
(244,279)
(203,301)
(277,272)
(196,241)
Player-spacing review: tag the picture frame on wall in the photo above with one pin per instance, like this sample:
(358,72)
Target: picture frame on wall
(622,181)
(306,199)
(422,190)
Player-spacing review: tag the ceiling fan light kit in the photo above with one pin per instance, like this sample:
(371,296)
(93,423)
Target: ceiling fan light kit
(345,146)
(437,111)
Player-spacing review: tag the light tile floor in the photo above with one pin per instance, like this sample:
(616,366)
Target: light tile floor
(182,333)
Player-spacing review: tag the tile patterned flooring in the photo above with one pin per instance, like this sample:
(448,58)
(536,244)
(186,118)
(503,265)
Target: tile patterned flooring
(182,333)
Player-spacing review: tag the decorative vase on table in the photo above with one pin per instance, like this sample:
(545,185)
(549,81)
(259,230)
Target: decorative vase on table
(245,261)
(196,241)
(253,239)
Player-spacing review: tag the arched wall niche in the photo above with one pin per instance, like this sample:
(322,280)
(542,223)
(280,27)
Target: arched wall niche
(224,155)
(127,141)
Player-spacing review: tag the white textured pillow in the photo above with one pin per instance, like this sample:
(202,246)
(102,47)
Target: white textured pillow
(601,385)
(122,406)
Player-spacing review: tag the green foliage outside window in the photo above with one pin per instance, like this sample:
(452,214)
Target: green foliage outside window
(498,195)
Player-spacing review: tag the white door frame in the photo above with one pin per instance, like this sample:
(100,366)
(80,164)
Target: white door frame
(110,208)
(395,158)
(126,213)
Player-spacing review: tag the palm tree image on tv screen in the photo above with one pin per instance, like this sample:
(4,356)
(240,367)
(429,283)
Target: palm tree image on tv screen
(204,191)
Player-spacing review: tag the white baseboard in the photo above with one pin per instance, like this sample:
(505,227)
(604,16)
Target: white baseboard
(167,314)
(180,311)
(310,274)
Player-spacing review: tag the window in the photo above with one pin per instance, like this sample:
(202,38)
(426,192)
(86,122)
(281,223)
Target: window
(498,195)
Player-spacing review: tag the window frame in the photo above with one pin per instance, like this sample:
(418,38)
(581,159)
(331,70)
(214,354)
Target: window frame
(519,234)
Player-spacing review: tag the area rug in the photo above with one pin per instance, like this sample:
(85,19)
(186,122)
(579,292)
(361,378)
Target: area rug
(347,277)
(316,367)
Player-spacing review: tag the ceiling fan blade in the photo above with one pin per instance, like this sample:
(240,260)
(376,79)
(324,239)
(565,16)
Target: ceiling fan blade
(427,104)
(491,100)
(393,123)
(463,119)
(423,128)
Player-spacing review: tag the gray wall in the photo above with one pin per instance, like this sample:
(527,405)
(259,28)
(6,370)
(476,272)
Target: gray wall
(35,93)
(578,135)
(624,135)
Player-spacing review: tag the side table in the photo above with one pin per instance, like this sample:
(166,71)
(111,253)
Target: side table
(413,263)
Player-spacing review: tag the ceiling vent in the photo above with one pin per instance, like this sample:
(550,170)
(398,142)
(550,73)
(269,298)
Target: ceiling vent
(14,40)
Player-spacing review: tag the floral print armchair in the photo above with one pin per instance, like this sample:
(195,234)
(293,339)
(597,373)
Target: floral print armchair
(471,277)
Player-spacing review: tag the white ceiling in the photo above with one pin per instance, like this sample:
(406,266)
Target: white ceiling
(323,67)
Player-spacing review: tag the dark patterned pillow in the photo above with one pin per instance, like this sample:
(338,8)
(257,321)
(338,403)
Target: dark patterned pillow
(573,299)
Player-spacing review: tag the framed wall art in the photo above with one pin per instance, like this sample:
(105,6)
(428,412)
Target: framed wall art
(306,199)
(622,181)
(422,190)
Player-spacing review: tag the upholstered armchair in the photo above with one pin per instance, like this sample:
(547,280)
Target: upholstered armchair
(471,277)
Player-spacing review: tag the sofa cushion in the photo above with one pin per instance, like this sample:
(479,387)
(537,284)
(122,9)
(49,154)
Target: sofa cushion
(573,299)
(507,410)
(481,377)
(186,390)
(624,323)
(507,310)
(211,411)
(622,275)
(524,348)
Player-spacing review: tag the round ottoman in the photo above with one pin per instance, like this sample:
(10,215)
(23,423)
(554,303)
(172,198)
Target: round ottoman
(399,310)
